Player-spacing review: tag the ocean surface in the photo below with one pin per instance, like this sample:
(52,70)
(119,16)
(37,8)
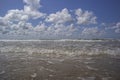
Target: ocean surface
(59,60)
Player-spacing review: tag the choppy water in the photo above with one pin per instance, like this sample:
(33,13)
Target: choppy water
(60,60)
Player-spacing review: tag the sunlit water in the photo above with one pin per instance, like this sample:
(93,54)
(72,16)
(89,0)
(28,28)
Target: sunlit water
(60,60)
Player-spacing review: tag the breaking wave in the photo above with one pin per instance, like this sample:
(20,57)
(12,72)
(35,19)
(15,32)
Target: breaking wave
(61,47)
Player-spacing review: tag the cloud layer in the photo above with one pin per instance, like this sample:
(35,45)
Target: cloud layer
(61,24)
(85,17)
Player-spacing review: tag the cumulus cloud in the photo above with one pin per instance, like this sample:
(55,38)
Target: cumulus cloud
(61,24)
(17,20)
(63,30)
(15,15)
(85,17)
(114,27)
(92,32)
(32,8)
(55,30)
(30,11)
(2,22)
(33,4)
(59,17)
(40,28)
(34,14)
(117,27)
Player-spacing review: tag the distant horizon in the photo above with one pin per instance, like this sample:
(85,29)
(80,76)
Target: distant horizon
(55,39)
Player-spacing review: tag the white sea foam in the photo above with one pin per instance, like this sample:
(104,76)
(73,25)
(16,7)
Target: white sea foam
(50,47)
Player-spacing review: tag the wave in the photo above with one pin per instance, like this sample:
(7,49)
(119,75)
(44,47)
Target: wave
(61,48)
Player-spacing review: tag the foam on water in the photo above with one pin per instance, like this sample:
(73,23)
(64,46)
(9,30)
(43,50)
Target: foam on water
(61,47)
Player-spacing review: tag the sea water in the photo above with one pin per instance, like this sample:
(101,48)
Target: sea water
(59,60)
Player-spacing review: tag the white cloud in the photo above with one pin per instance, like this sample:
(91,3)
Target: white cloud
(33,4)
(59,17)
(91,32)
(32,9)
(17,20)
(85,17)
(34,14)
(25,25)
(3,22)
(16,15)
(117,27)
(21,28)
(55,30)
(117,30)
(63,30)
(54,25)
(40,28)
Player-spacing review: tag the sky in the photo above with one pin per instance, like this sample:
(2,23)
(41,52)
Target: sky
(59,19)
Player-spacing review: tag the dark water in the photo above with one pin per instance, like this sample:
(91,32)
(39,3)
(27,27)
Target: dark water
(59,60)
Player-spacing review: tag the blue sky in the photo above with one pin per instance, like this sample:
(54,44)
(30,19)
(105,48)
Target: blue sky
(59,19)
